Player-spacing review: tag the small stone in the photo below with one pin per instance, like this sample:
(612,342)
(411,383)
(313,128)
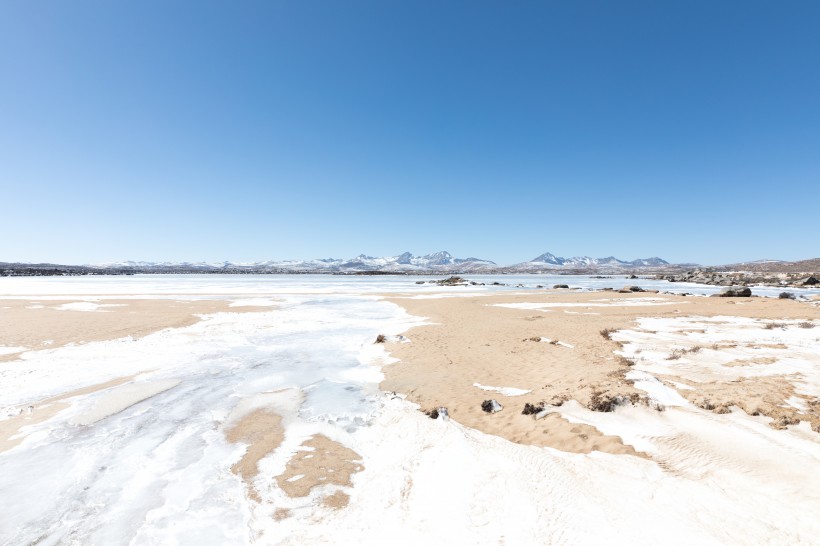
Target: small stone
(491,406)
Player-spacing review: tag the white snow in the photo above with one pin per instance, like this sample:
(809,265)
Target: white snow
(5,350)
(561,343)
(791,352)
(506,391)
(86,306)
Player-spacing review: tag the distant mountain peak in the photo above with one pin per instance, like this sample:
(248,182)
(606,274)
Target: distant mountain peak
(550,259)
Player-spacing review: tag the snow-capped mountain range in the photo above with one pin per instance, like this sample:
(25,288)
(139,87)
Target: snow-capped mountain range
(406,262)
(548,259)
(438,262)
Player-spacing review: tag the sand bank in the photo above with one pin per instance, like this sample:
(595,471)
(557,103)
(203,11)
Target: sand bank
(499,340)
(28,325)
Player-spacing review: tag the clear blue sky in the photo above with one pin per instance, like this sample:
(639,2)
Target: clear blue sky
(201,130)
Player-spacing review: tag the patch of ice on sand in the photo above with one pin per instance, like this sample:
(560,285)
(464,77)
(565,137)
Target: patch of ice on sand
(86,306)
(556,342)
(115,400)
(506,391)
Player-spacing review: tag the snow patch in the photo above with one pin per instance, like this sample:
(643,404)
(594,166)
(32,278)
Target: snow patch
(506,391)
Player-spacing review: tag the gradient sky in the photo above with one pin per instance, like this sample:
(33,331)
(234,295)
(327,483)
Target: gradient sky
(201,130)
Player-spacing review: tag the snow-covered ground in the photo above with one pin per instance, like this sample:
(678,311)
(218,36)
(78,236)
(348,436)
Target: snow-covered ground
(147,462)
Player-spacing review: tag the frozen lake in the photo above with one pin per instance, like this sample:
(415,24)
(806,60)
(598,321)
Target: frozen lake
(236,285)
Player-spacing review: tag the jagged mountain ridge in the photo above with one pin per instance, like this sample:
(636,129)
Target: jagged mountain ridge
(549,259)
(441,262)
(405,262)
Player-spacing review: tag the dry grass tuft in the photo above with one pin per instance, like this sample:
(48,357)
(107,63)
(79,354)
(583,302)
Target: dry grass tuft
(773,325)
(606,333)
(677,353)
(624,361)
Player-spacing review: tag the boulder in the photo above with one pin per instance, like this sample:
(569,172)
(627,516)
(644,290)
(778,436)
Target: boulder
(560,286)
(629,289)
(452,281)
(734,292)
(810,281)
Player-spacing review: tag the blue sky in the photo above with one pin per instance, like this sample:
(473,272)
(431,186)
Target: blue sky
(204,130)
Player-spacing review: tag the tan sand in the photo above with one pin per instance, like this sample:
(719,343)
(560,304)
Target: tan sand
(320,461)
(263,432)
(472,341)
(40,324)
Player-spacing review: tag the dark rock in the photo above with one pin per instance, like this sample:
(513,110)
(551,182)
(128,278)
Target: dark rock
(629,289)
(560,286)
(440,412)
(491,406)
(734,292)
(531,409)
(810,281)
(452,281)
